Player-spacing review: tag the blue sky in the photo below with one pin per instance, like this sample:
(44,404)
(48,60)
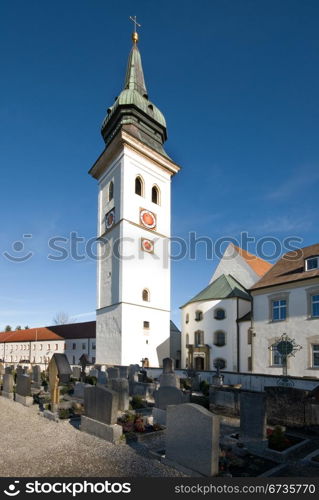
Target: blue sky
(238,83)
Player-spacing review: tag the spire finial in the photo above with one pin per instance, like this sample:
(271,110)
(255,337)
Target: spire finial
(135,34)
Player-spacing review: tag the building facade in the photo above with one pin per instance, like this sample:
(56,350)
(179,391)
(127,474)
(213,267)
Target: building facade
(216,323)
(134,227)
(286,301)
(36,346)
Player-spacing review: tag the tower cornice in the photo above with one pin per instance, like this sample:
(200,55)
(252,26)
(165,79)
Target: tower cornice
(124,140)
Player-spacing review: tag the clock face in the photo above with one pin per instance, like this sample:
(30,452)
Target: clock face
(147,219)
(147,245)
(109,219)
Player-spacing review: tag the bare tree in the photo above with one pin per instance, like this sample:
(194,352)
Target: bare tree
(61,318)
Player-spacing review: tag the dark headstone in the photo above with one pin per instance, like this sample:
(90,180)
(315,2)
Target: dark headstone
(168,365)
(101,404)
(113,372)
(8,382)
(252,416)
(23,385)
(63,367)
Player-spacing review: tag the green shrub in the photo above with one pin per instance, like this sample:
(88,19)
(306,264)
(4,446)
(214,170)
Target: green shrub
(204,387)
(200,400)
(89,379)
(185,384)
(64,413)
(137,402)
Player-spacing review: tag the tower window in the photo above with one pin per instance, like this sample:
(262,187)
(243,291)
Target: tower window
(146,295)
(187,318)
(155,195)
(146,324)
(111,191)
(139,186)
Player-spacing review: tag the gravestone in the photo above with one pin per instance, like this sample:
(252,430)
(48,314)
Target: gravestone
(120,385)
(169,378)
(101,404)
(101,407)
(252,416)
(59,373)
(36,375)
(132,377)
(168,365)
(145,390)
(79,389)
(84,362)
(7,391)
(192,438)
(113,372)
(123,371)
(76,372)
(286,405)
(102,378)
(165,396)
(19,370)
(94,372)
(23,390)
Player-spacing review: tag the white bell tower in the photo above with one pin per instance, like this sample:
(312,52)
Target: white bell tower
(134,227)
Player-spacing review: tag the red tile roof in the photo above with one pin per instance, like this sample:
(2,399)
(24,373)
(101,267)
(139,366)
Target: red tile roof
(29,335)
(289,268)
(257,264)
(57,332)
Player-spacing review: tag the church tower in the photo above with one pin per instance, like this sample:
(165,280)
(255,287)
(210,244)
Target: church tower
(134,227)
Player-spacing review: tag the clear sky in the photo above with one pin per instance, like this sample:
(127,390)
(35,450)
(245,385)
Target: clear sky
(238,83)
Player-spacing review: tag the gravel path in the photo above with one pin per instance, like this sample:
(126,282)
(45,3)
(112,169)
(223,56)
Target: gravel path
(35,446)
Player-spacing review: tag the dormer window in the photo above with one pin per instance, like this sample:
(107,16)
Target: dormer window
(312,263)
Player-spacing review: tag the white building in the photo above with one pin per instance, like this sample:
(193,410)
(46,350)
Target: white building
(37,345)
(134,227)
(216,323)
(286,301)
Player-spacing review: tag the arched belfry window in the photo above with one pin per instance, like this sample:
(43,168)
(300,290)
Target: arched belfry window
(146,295)
(155,195)
(111,191)
(139,186)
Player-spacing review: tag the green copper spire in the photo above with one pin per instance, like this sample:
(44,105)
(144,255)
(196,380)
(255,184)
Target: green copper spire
(133,111)
(134,79)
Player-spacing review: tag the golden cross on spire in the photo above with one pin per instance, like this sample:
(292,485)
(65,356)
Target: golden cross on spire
(135,34)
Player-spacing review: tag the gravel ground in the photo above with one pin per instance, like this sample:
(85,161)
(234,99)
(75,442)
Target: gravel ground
(35,446)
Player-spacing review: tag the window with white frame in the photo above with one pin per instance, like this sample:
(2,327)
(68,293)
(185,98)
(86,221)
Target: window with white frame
(276,358)
(312,263)
(315,355)
(279,310)
(315,306)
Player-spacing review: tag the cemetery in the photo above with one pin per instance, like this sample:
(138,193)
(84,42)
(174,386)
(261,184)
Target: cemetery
(185,425)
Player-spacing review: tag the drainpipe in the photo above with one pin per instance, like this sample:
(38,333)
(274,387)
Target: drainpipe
(238,338)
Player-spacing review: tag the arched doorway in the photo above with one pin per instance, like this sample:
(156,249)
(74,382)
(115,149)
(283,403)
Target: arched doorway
(199,363)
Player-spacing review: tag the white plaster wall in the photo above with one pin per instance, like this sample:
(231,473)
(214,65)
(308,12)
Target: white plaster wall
(134,336)
(232,263)
(210,325)
(109,335)
(122,278)
(245,347)
(297,326)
